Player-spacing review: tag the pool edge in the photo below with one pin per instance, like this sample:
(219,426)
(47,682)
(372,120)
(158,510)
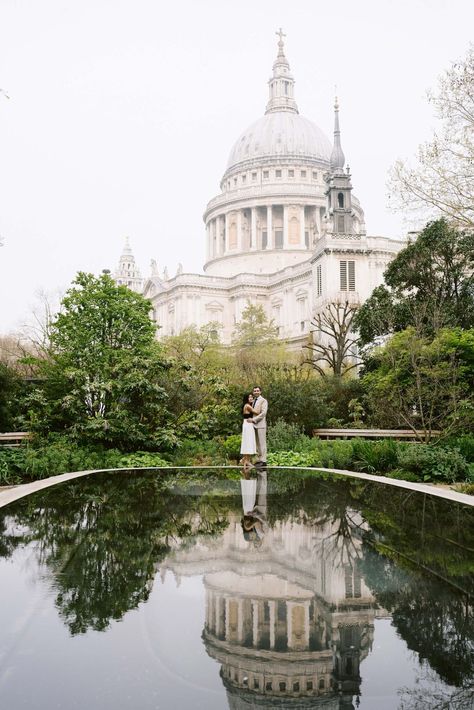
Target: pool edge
(21,491)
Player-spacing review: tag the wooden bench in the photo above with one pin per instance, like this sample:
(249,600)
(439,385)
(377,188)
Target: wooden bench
(370,434)
(14,438)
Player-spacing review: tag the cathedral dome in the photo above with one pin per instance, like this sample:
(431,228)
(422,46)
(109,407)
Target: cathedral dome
(280,134)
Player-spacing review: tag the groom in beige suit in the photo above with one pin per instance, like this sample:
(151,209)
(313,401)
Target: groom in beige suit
(259,421)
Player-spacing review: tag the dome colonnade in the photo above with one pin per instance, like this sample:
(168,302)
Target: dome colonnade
(273,201)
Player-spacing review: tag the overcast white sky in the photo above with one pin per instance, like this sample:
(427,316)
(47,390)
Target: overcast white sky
(123,112)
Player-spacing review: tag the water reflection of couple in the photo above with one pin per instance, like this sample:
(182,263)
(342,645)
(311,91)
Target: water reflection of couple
(254,428)
(254,504)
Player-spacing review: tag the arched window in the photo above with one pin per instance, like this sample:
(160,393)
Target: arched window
(340,199)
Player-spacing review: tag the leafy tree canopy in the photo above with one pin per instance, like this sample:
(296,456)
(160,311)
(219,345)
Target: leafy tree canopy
(103,377)
(255,329)
(423,383)
(429,285)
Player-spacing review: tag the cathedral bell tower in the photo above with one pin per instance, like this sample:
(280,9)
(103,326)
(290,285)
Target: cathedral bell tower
(127,273)
(339,213)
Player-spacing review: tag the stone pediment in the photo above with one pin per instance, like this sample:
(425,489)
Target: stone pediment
(152,286)
(214,306)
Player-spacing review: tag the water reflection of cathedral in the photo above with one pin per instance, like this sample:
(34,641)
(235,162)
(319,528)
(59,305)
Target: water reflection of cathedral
(288,618)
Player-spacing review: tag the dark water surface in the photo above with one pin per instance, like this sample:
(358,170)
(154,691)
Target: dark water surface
(144,590)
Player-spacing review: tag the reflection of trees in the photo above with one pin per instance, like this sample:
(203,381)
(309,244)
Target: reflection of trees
(103,537)
(434,620)
(427,698)
(102,542)
(344,542)
(418,562)
(422,531)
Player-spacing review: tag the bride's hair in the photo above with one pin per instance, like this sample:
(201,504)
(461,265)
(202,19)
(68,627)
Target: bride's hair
(246,399)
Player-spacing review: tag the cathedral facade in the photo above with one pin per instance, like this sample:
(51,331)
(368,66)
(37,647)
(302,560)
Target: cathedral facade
(285,231)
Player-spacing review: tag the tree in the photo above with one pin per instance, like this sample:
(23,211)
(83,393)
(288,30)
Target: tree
(423,384)
(254,330)
(429,285)
(197,383)
(256,347)
(296,395)
(442,179)
(104,370)
(10,387)
(333,342)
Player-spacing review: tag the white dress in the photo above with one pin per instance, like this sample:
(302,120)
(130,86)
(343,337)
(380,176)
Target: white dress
(248,488)
(249,445)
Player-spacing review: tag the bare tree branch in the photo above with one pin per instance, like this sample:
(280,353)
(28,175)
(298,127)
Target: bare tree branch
(332,341)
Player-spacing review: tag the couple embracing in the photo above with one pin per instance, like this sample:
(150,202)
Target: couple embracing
(254,428)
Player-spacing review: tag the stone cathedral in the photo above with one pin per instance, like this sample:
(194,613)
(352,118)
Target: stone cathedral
(285,231)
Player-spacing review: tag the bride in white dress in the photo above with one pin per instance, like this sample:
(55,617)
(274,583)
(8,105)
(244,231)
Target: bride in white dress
(248,447)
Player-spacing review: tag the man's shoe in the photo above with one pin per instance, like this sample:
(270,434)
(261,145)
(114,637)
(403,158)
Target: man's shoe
(260,463)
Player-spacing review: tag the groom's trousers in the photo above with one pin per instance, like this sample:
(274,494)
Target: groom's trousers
(261,441)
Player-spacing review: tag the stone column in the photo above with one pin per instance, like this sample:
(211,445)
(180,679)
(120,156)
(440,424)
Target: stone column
(197,311)
(240,621)
(271,606)
(293,606)
(289,624)
(212,614)
(226,221)
(218,615)
(208,609)
(208,241)
(239,230)
(255,620)
(227,618)
(285,226)
(217,232)
(177,314)
(302,227)
(253,228)
(306,623)
(317,215)
(269,227)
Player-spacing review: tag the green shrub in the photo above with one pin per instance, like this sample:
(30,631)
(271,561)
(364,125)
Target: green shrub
(331,454)
(231,446)
(341,453)
(12,465)
(7,476)
(285,436)
(434,463)
(374,456)
(292,458)
(335,423)
(464,444)
(205,452)
(465,488)
(61,455)
(143,459)
(57,454)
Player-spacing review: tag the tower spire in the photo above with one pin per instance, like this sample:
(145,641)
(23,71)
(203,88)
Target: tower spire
(127,273)
(337,156)
(281,85)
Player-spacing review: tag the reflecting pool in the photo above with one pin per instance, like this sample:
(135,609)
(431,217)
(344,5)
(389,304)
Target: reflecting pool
(203,589)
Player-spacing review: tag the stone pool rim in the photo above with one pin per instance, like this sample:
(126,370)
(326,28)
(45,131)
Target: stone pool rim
(11,494)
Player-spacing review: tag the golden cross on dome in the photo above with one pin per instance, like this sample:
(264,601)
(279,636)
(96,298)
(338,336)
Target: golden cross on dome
(281,34)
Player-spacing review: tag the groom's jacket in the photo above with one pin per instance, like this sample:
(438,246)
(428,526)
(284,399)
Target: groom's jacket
(260,419)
